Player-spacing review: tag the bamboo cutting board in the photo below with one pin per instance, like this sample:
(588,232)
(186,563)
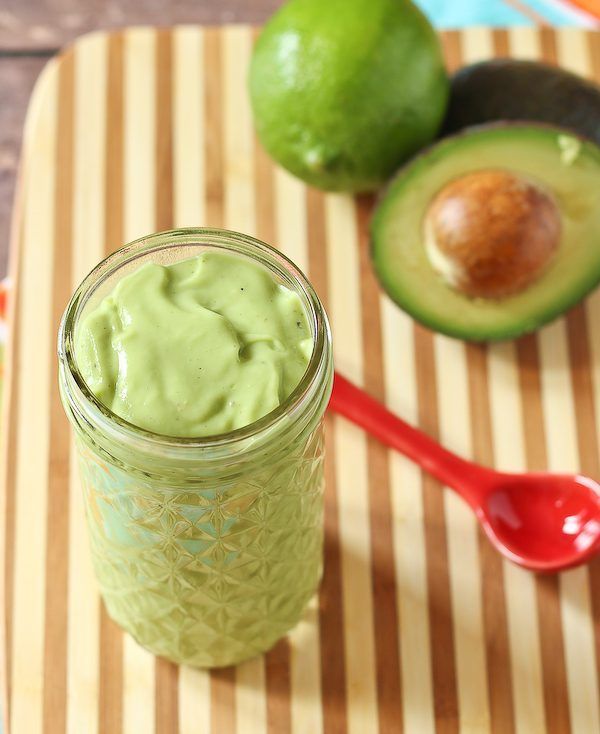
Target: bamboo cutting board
(420,626)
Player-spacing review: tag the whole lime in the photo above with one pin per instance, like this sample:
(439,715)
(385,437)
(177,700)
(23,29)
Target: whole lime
(343,91)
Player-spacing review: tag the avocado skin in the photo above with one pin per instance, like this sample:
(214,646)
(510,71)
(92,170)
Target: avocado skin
(344,91)
(440,323)
(508,89)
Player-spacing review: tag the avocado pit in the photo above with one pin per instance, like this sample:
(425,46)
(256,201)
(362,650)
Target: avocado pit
(491,233)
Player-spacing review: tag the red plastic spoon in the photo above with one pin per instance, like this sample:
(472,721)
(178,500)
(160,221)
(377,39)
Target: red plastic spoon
(544,522)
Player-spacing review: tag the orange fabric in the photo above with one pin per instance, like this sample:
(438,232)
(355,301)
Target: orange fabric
(590,6)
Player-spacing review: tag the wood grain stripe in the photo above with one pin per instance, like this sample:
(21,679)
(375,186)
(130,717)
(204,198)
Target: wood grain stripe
(408,529)
(110,700)
(581,644)
(89,187)
(194,701)
(519,585)
(305,675)
(222,682)
(278,685)
(34,400)
(266,206)
(500,42)
(8,434)
(546,43)
(533,45)
(222,700)
(475,44)
(524,42)
(331,611)
(492,567)
(293,703)
(11,409)
(114,145)
(250,693)
(140,132)
(290,221)
(292,667)
(189,130)
(238,172)
(551,638)
(383,577)
(9,429)
(139,220)
(593,44)
(57,528)
(463,549)
(577,56)
(442,646)
(110,703)
(571,53)
(467,565)
(561,436)
(445,697)
(163,143)
(351,469)
(481,44)
(166,673)
(278,659)
(213,124)
(580,359)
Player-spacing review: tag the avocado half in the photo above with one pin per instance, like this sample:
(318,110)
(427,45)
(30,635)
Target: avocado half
(564,165)
(513,89)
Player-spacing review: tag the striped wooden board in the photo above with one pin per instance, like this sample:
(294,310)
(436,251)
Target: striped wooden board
(420,626)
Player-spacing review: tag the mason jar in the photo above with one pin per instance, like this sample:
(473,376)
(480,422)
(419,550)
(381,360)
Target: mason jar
(206,550)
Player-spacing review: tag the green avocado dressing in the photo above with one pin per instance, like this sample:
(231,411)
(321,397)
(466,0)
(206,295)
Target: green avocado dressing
(197,348)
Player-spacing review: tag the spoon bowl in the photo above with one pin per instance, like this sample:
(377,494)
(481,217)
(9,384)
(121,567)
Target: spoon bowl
(545,522)
(541,521)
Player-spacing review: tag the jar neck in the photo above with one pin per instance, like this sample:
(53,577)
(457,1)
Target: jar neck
(210,459)
(146,452)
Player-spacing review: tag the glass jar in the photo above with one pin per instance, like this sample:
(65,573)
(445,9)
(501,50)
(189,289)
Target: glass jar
(206,550)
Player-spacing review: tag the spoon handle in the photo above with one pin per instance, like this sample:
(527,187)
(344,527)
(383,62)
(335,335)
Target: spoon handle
(469,480)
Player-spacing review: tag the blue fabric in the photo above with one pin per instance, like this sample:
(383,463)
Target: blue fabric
(460,13)
(553,13)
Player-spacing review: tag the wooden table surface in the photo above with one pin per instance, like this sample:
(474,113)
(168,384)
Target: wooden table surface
(31,31)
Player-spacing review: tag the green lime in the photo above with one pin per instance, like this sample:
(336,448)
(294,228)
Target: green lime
(344,91)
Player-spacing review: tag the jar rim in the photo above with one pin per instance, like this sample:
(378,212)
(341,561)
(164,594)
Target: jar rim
(102,416)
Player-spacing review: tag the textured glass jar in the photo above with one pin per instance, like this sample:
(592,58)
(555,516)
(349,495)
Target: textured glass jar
(206,550)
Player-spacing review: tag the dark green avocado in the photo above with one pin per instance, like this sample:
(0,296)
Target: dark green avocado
(563,165)
(508,89)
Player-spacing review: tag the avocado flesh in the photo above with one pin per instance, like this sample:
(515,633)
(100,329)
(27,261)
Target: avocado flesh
(510,89)
(565,166)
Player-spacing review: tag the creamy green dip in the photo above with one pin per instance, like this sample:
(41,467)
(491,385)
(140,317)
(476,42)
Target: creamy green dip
(197,348)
